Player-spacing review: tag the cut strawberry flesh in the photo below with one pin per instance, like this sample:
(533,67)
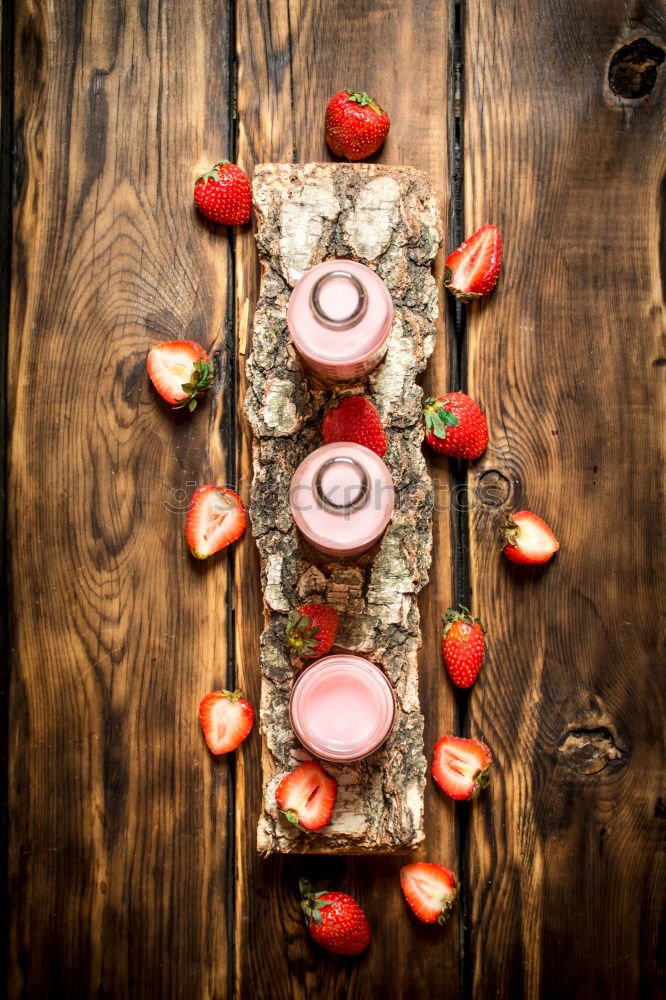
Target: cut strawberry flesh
(429,889)
(307,796)
(474,262)
(534,538)
(171,365)
(226,720)
(473,268)
(460,766)
(215,519)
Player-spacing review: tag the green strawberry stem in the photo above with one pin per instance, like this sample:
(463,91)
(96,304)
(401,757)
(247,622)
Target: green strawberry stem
(233,695)
(463,615)
(438,418)
(202,379)
(213,174)
(360,97)
(311,902)
(293,818)
(336,399)
(301,634)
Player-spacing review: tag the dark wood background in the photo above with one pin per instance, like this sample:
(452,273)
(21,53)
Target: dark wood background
(131,851)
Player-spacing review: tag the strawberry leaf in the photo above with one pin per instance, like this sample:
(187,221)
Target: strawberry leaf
(213,174)
(462,615)
(300,634)
(438,418)
(360,97)
(201,381)
(293,818)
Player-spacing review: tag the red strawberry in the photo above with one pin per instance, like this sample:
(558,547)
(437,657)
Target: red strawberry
(455,426)
(224,195)
(311,630)
(307,796)
(215,519)
(180,371)
(430,890)
(355,125)
(528,540)
(335,920)
(354,418)
(473,268)
(463,646)
(460,767)
(226,719)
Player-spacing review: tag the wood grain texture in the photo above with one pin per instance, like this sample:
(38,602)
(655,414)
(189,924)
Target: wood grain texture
(118,847)
(566,849)
(291,59)
(121,857)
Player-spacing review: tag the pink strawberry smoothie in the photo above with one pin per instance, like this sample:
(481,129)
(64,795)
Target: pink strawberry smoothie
(342,708)
(340,315)
(342,498)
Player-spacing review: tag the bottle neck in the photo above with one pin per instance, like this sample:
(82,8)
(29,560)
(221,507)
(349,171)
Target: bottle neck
(338,300)
(341,485)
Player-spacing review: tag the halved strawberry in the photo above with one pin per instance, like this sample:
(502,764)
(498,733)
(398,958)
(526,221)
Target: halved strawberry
(226,719)
(215,519)
(180,371)
(528,540)
(473,268)
(307,796)
(430,890)
(461,767)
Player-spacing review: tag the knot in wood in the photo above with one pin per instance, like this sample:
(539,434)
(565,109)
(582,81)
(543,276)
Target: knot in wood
(589,751)
(493,489)
(633,69)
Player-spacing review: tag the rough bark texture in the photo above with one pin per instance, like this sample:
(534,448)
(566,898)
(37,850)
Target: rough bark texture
(388,218)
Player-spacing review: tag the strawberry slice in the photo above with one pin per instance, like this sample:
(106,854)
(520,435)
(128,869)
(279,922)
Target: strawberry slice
(180,371)
(307,796)
(461,767)
(215,519)
(430,890)
(226,719)
(528,540)
(473,268)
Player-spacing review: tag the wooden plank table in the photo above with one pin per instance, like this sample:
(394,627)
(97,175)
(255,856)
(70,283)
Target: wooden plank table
(132,869)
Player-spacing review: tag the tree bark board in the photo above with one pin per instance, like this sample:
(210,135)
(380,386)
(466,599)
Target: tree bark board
(297,56)
(118,839)
(564,359)
(388,218)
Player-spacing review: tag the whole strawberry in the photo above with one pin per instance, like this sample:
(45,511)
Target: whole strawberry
(311,630)
(335,920)
(355,124)
(354,418)
(463,646)
(455,426)
(224,195)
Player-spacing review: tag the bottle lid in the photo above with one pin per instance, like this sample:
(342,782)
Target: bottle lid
(342,708)
(342,498)
(340,313)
